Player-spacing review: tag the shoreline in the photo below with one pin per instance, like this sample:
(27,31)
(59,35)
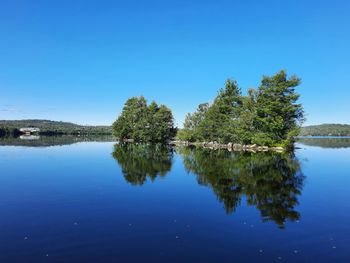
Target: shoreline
(229,146)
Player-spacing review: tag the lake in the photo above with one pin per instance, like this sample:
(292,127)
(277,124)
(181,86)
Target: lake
(75,200)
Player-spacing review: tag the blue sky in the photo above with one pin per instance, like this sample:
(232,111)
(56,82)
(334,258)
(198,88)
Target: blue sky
(79,61)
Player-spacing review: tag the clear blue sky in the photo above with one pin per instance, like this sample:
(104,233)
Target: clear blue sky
(79,61)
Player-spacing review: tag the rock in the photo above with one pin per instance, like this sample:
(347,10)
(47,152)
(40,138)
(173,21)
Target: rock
(237,146)
(229,145)
(278,149)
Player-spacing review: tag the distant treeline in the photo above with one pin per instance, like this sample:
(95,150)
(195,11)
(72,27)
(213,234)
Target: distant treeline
(47,127)
(326,130)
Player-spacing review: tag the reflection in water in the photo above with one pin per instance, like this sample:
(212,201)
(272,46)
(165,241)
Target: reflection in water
(269,181)
(46,141)
(326,142)
(139,161)
(29,137)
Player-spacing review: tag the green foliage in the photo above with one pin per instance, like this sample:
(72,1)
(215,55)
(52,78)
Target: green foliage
(221,119)
(144,123)
(186,135)
(326,130)
(192,121)
(142,161)
(269,115)
(278,114)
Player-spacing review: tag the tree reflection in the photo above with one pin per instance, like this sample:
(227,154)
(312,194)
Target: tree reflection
(326,142)
(139,161)
(269,181)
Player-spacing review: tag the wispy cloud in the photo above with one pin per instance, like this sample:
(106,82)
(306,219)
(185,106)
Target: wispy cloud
(8,109)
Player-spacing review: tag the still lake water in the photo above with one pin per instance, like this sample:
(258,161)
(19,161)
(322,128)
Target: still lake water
(101,202)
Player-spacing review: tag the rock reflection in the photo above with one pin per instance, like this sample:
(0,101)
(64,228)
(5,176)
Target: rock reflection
(140,161)
(271,182)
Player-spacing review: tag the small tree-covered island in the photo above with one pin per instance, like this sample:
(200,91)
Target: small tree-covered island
(269,116)
(144,123)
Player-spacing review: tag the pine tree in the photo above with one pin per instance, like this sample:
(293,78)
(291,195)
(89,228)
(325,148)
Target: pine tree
(221,119)
(278,115)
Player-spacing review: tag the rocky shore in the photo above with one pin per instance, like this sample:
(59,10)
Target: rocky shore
(229,146)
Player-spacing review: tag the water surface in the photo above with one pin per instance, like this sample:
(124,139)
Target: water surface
(104,202)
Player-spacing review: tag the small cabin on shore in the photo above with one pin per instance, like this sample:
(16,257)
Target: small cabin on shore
(29,131)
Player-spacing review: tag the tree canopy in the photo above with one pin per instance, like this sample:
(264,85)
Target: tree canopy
(144,123)
(268,115)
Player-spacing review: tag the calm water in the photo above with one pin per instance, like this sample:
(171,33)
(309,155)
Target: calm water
(101,202)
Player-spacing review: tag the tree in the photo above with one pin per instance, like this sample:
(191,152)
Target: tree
(192,121)
(269,115)
(221,119)
(144,123)
(163,125)
(278,117)
(128,124)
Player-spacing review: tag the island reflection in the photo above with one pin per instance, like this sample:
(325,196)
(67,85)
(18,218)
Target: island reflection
(269,181)
(139,161)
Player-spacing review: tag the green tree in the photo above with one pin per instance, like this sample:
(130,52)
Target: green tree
(221,120)
(246,128)
(278,117)
(268,116)
(144,123)
(127,124)
(192,121)
(163,124)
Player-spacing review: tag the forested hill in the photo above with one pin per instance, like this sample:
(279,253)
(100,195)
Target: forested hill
(55,127)
(326,130)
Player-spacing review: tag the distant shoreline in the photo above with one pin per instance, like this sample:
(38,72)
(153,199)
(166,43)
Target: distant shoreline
(325,137)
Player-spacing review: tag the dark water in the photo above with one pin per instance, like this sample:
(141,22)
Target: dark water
(101,202)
